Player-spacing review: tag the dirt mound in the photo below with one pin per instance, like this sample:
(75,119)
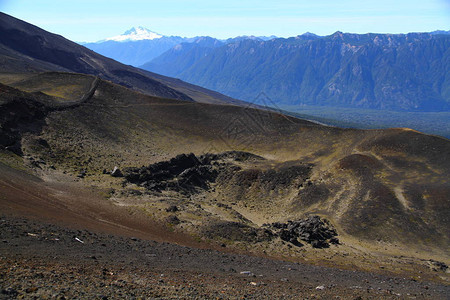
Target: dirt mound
(395,141)
(234,231)
(360,163)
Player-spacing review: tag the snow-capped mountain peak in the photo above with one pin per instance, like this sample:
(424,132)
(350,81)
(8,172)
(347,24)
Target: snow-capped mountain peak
(136,34)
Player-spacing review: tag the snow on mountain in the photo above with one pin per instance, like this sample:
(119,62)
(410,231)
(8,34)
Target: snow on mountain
(136,34)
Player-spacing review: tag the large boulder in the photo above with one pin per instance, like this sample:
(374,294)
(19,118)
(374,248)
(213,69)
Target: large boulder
(116,172)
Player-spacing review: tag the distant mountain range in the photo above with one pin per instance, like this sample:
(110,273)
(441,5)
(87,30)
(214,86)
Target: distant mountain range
(26,48)
(139,45)
(379,71)
(405,72)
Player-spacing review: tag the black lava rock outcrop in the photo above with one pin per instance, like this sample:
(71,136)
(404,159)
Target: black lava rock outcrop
(185,172)
(173,174)
(313,230)
(438,265)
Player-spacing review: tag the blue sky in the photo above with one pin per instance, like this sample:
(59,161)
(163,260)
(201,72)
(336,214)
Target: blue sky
(92,20)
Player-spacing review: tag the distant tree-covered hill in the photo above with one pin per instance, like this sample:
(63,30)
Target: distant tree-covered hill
(408,72)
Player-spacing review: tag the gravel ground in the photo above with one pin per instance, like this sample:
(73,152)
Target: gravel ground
(40,260)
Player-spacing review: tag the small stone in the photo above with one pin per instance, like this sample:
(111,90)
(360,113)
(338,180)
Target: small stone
(173,220)
(78,240)
(31,290)
(334,241)
(9,291)
(246,273)
(172,208)
(320,287)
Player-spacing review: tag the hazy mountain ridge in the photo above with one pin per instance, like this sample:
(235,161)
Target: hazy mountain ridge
(140,45)
(134,52)
(183,55)
(381,71)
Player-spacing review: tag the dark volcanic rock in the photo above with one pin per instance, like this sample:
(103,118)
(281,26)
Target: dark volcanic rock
(319,244)
(172,219)
(439,265)
(161,171)
(9,292)
(82,174)
(180,163)
(116,172)
(184,173)
(172,208)
(197,177)
(334,240)
(312,230)
(290,236)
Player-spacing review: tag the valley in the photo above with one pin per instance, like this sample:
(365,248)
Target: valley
(436,123)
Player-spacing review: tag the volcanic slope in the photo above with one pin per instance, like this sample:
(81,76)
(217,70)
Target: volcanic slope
(384,192)
(25,48)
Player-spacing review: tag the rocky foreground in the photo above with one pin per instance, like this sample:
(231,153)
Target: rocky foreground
(38,260)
